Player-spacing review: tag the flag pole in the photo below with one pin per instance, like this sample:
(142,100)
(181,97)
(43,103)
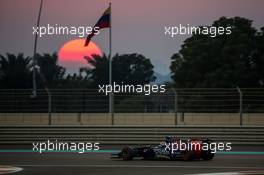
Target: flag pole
(111,96)
(34,84)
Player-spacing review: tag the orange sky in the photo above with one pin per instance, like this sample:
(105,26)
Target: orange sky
(137,25)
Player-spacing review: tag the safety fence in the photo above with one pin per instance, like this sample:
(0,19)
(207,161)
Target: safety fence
(250,100)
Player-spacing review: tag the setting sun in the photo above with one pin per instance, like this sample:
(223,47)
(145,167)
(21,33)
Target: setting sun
(72,54)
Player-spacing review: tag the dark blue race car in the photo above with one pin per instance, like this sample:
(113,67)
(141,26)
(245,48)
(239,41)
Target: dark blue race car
(162,151)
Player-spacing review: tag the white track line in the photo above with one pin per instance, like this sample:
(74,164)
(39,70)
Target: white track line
(9,169)
(141,166)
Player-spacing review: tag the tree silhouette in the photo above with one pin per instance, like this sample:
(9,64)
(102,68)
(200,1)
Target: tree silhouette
(15,71)
(127,69)
(224,61)
(50,72)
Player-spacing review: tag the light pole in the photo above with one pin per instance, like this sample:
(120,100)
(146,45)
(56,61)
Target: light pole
(34,83)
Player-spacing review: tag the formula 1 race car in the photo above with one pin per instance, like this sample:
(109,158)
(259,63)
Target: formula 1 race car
(192,150)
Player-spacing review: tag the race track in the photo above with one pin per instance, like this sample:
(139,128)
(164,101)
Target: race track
(100,163)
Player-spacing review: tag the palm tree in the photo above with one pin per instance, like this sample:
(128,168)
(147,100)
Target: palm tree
(51,73)
(15,71)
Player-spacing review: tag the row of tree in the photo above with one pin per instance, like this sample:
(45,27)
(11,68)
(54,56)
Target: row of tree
(203,61)
(16,71)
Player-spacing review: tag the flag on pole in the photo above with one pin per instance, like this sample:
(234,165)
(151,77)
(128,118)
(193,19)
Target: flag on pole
(103,22)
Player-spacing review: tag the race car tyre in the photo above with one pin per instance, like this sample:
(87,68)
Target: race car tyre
(127,153)
(207,155)
(187,155)
(149,154)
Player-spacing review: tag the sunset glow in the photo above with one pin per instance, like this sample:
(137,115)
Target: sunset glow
(72,53)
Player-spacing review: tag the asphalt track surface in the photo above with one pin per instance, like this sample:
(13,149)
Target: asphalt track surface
(100,163)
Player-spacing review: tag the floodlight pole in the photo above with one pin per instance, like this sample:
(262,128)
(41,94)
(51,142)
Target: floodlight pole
(34,84)
(111,95)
